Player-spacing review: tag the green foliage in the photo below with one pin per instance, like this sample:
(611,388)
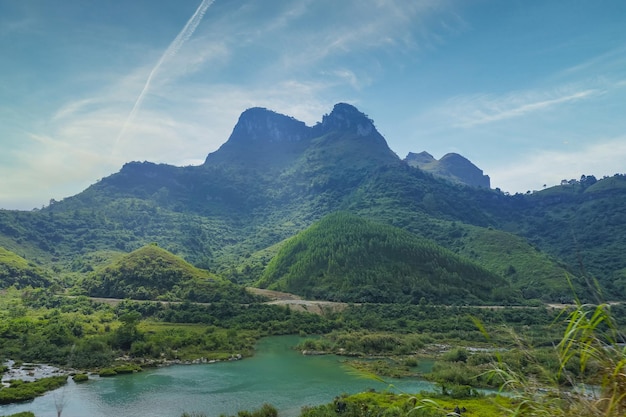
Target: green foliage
(590,351)
(347,258)
(20,391)
(266,410)
(23,414)
(388,404)
(225,214)
(106,372)
(80,377)
(151,273)
(580,223)
(46,338)
(15,270)
(127,333)
(367,342)
(531,272)
(456,355)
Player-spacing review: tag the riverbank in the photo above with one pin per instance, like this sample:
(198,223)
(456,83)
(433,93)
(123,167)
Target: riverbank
(31,372)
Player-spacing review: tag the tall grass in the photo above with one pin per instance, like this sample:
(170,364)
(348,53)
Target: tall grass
(591,377)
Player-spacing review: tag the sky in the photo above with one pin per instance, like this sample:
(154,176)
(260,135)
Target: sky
(531,91)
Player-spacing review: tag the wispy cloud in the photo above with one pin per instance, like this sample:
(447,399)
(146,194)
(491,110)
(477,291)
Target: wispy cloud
(614,58)
(532,170)
(170,52)
(379,28)
(468,111)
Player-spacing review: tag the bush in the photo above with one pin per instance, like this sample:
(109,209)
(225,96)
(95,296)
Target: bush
(411,362)
(456,355)
(127,369)
(80,377)
(107,372)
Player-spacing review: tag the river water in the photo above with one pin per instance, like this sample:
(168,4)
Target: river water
(277,375)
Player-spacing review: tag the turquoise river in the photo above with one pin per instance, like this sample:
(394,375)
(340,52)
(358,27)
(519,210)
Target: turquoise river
(277,374)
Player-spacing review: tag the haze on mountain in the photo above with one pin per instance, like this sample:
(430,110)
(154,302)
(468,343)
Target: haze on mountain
(451,166)
(275,177)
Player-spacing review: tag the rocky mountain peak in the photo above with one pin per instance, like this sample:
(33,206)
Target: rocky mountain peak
(419,158)
(451,166)
(260,124)
(347,117)
(461,167)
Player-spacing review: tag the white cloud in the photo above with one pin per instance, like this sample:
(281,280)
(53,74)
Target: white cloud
(601,157)
(49,168)
(180,125)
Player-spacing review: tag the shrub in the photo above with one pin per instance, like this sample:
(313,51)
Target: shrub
(107,372)
(127,369)
(80,377)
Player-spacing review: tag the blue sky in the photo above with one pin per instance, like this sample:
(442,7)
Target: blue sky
(531,91)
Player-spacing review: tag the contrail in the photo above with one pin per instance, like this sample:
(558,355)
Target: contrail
(169,53)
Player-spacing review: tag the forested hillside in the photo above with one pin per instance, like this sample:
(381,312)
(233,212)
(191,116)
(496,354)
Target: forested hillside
(346,258)
(275,177)
(152,273)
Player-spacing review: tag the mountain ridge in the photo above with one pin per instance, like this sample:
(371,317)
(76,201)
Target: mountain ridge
(255,192)
(451,166)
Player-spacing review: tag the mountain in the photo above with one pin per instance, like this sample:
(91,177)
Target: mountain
(275,177)
(346,258)
(451,166)
(152,273)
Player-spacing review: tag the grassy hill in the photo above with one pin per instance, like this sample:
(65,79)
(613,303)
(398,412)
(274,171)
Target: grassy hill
(152,273)
(347,258)
(15,270)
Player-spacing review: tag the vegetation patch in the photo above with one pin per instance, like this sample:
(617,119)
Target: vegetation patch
(401,405)
(20,391)
(81,377)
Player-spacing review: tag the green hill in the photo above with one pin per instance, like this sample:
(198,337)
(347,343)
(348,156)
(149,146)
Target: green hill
(530,271)
(152,273)
(347,258)
(275,177)
(15,270)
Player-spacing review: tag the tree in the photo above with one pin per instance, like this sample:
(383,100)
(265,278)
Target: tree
(127,333)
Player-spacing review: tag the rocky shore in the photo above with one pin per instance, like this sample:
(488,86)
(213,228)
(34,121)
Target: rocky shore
(31,371)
